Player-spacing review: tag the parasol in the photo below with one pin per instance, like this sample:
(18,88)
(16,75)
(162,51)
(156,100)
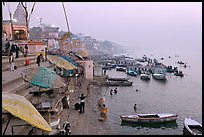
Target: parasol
(22,108)
(42,77)
(83,53)
(61,62)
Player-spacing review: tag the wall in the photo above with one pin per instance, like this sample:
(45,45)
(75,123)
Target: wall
(88,68)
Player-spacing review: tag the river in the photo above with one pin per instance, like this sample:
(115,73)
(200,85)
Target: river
(181,95)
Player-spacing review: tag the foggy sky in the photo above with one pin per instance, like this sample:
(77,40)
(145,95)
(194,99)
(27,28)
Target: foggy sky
(138,25)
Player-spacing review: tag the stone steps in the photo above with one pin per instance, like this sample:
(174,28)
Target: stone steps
(19,62)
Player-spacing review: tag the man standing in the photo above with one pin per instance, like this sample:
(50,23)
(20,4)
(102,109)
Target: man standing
(82,104)
(39,59)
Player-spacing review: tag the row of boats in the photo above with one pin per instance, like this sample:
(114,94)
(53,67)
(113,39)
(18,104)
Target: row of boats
(191,126)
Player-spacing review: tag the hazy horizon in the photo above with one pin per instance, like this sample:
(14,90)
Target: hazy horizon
(134,25)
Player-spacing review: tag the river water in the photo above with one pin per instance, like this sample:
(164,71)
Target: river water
(181,95)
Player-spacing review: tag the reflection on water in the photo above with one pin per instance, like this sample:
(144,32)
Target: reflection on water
(171,124)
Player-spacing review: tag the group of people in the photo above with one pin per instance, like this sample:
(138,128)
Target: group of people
(14,48)
(115,91)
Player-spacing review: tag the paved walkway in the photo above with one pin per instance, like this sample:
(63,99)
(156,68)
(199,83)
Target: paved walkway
(87,123)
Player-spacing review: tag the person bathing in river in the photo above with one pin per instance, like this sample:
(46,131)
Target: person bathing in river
(115,91)
(111,92)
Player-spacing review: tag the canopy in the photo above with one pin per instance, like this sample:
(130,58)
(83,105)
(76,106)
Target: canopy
(70,60)
(61,62)
(83,53)
(22,108)
(43,77)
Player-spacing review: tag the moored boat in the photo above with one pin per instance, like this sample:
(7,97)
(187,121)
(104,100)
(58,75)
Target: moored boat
(119,83)
(145,76)
(192,127)
(159,76)
(120,68)
(149,118)
(178,73)
(132,73)
(117,79)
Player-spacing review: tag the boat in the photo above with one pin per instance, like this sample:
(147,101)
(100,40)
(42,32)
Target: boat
(192,127)
(159,76)
(120,68)
(119,83)
(117,79)
(149,118)
(132,73)
(145,76)
(178,73)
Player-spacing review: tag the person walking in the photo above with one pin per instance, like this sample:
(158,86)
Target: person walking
(82,103)
(39,59)
(11,61)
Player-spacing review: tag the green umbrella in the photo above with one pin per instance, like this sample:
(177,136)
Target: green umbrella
(43,77)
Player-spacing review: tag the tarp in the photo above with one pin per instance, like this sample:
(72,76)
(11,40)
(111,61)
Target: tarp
(20,107)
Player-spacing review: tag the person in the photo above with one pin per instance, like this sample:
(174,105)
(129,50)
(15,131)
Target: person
(17,50)
(135,107)
(31,132)
(82,103)
(26,50)
(103,110)
(115,90)
(111,92)
(11,61)
(13,49)
(7,48)
(65,102)
(88,89)
(105,72)
(39,59)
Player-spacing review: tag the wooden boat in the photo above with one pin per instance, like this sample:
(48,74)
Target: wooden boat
(178,73)
(118,79)
(159,76)
(145,76)
(149,118)
(192,127)
(131,73)
(119,83)
(120,68)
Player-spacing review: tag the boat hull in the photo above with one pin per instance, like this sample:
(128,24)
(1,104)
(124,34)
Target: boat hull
(145,77)
(192,127)
(119,83)
(159,76)
(167,118)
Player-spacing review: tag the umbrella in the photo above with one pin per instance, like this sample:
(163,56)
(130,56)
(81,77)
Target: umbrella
(70,60)
(77,55)
(83,53)
(61,62)
(42,77)
(20,107)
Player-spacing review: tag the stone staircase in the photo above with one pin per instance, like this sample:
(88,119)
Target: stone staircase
(19,62)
